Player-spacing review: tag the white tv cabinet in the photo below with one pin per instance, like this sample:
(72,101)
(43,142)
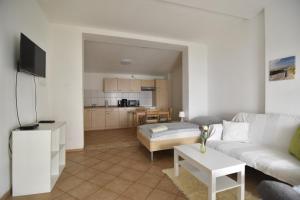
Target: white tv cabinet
(38,158)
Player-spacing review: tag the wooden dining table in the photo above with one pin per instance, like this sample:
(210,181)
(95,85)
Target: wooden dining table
(141,114)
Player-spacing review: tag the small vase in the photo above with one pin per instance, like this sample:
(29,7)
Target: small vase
(202,147)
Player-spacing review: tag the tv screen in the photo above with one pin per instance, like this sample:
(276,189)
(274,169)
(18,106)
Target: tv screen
(32,58)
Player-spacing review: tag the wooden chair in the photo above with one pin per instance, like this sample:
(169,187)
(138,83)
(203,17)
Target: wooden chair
(165,116)
(140,116)
(152,116)
(170,114)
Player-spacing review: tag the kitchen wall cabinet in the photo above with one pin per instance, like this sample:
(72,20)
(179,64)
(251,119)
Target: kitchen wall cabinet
(147,83)
(121,85)
(161,94)
(124,85)
(110,85)
(135,85)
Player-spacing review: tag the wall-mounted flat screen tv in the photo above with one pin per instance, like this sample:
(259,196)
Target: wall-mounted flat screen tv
(32,58)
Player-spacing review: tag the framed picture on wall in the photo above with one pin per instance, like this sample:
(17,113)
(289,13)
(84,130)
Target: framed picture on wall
(282,69)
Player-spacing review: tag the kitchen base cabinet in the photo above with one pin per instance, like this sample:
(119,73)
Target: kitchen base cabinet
(101,118)
(126,117)
(112,118)
(123,118)
(94,119)
(87,119)
(98,118)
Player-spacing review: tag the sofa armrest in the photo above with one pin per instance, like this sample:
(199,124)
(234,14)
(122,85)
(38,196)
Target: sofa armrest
(215,131)
(276,191)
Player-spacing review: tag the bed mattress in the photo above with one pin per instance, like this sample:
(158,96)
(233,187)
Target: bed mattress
(175,130)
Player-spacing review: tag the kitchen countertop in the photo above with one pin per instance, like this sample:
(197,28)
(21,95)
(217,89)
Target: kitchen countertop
(108,107)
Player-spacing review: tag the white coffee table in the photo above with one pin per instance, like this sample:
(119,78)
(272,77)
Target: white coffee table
(211,168)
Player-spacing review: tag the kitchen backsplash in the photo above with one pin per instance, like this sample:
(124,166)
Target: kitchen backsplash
(98,97)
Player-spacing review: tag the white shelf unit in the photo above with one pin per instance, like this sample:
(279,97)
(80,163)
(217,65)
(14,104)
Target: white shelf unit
(38,158)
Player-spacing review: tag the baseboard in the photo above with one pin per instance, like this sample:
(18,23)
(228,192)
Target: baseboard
(73,150)
(6,195)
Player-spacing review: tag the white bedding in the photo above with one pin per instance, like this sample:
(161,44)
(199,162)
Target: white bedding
(183,134)
(173,130)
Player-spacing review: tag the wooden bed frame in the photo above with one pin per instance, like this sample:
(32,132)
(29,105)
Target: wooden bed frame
(164,144)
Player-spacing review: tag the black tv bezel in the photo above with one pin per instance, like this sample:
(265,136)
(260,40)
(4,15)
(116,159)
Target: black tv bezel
(22,69)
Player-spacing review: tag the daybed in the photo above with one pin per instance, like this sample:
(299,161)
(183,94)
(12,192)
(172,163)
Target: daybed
(267,148)
(178,133)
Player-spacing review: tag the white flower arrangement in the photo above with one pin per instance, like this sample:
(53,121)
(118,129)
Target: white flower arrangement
(204,133)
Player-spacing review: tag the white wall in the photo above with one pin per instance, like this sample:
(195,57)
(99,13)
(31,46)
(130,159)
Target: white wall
(66,81)
(236,70)
(197,81)
(15,17)
(282,40)
(67,72)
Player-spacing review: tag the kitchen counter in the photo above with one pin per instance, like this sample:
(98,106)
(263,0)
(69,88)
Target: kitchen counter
(112,117)
(87,107)
(101,107)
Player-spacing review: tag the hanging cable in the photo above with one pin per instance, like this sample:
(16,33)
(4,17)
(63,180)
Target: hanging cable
(9,144)
(16,97)
(35,100)
(18,117)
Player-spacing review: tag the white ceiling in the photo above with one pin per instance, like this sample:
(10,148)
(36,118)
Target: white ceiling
(246,9)
(190,20)
(106,57)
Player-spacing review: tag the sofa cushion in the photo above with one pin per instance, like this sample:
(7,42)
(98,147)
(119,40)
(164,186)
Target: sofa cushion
(294,148)
(266,159)
(206,120)
(274,130)
(235,131)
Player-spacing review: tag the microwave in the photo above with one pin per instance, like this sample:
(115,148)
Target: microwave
(133,103)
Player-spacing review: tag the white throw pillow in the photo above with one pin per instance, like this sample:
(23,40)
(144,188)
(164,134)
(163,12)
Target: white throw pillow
(297,188)
(235,131)
(215,131)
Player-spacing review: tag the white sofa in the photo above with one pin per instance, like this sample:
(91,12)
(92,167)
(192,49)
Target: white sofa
(267,149)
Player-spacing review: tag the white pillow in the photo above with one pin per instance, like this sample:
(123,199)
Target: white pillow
(235,131)
(215,131)
(297,188)
(159,128)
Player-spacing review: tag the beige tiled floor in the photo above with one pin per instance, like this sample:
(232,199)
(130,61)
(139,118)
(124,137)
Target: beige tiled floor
(119,173)
(110,136)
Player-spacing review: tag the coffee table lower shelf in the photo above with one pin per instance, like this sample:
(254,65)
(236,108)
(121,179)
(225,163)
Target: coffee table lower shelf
(222,183)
